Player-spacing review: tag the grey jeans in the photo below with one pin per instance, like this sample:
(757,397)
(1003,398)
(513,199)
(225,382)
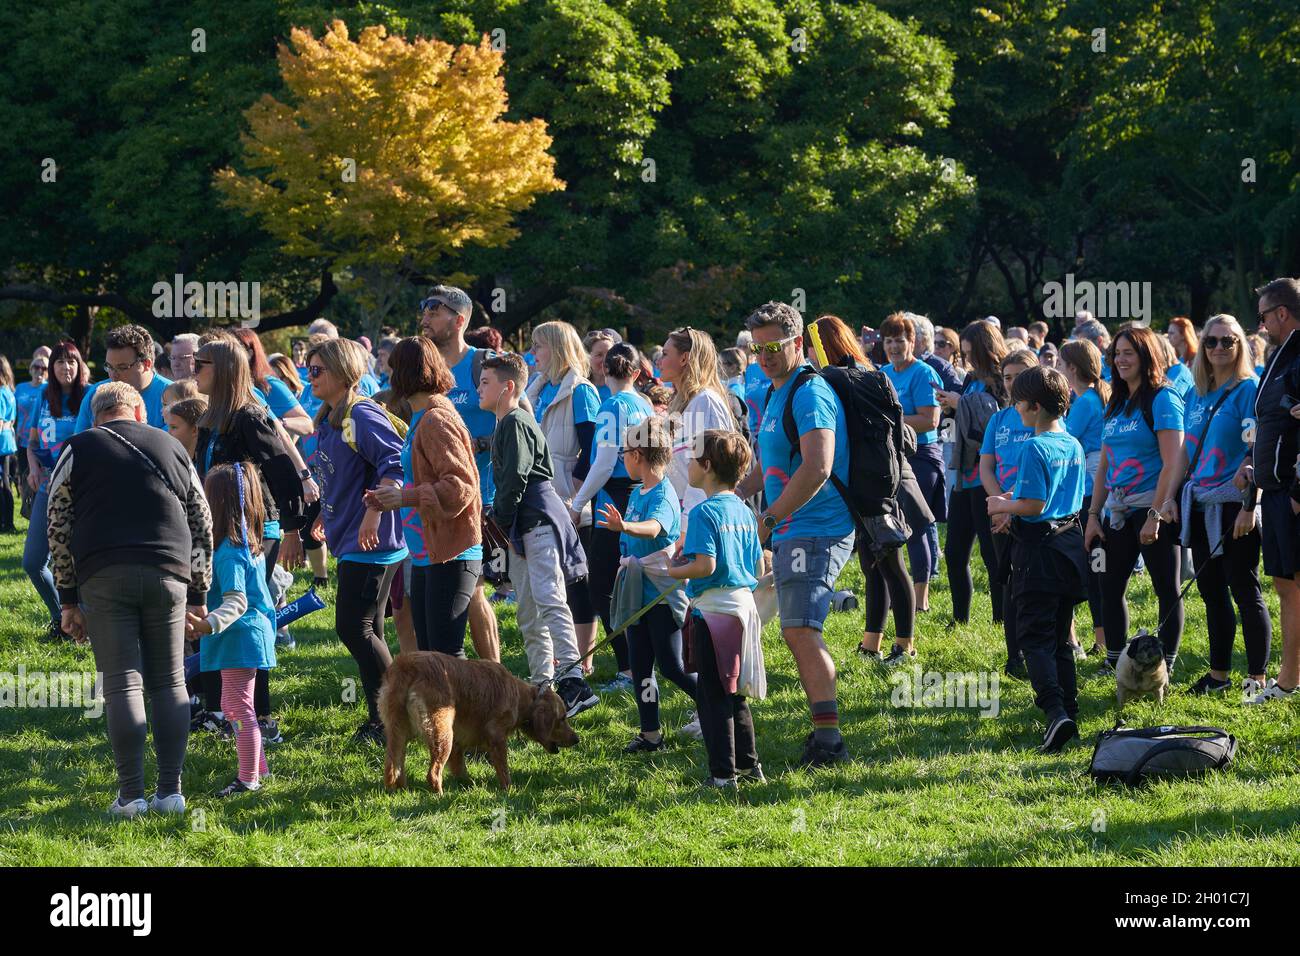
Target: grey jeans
(135,615)
(543,607)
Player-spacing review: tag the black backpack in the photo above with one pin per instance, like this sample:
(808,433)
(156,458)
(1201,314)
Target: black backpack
(1133,755)
(739,415)
(874,419)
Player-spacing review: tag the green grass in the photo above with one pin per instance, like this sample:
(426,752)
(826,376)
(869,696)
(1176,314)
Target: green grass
(927,786)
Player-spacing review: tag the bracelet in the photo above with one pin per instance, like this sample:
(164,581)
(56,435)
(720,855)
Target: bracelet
(1093,514)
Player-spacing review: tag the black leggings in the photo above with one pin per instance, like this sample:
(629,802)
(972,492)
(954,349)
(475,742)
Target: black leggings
(1002,554)
(1122,547)
(887,585)
(602,567)
(577,594)
(927,465)
(1234,571)
(725,720)
(359,602)
(440,595)
(968,517)
(310,514)
(653,640)
(1094,578)
(8,464)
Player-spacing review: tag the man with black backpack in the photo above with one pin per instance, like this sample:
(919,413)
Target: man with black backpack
(806,521)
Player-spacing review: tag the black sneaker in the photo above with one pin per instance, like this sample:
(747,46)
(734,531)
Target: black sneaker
(1016,669)
(869,655)
(753,775)
(1209,684)
(643,745)
(231,789)
(270,731)
(577,696)
(898,656)
(1107,669)
(821,755)
(370,733)
(1061,731)
(205,721)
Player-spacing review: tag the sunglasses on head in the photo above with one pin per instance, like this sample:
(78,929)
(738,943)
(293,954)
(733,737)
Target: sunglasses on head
(771,348)
(1229,342)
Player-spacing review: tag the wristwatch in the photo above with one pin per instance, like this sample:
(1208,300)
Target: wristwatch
(304,474)
(768,520)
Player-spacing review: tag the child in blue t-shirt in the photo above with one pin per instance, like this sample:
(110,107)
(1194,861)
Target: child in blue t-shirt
(1048,569)
(723,559)
(238,638)
(650,529)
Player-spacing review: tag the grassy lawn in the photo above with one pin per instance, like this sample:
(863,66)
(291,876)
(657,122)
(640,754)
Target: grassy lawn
(927,786)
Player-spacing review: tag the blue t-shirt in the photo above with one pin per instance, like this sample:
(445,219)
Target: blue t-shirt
(724,527)
(279,399)
(9,416)
(585,401)
(603,393)
(1084,420)
(1052,471)
(53,432)
(617,414)
(737,387)
(1180,377)
(915,386)
(1133,449)
(412,528)
(755,398)
(480,423)
(659,503)
(1225,445)
(815,406)
(1004,437)
(754,375)
(153,404)
(368,385)
(28,398)
(250,640)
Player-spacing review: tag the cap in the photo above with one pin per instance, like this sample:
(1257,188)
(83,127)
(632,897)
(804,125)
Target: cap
(450,296)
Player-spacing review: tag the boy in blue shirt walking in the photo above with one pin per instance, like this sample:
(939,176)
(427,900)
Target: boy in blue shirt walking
(1048,571)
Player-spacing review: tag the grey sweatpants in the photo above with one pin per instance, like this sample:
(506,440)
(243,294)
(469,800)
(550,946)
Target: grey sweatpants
(135,616)
(543,607)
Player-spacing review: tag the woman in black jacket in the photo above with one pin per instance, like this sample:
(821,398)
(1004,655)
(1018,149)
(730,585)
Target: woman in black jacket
(235,428)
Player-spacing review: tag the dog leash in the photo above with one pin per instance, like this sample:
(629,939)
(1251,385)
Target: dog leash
(1192,580)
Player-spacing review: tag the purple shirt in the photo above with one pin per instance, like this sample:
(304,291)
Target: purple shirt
(344,475)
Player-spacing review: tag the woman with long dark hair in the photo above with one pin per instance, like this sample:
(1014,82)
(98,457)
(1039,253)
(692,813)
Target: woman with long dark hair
(54,421)
(1137,475)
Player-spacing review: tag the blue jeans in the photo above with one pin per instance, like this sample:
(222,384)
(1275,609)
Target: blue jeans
(805,570)
(36,555)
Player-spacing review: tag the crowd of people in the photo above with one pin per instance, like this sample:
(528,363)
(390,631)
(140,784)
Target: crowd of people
(677,499)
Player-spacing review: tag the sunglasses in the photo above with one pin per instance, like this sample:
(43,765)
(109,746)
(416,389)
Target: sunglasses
(39,368)
(314,371)
(1229,342)
(771,348)
(1268,312)
(200,362)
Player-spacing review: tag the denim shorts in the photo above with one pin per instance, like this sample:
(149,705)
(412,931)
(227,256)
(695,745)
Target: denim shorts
(805,570)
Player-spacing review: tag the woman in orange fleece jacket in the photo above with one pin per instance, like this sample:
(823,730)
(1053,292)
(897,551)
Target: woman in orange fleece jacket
(439,501)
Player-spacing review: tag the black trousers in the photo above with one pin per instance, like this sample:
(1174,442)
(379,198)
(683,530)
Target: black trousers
(8,476)
(602,568)
(359,602)
(1043,632)
(577,594)
(1232,575)
(655,639)
(725,719)
(440,596)
(1121,549)
(887,586)
(968,517)
(1094,577)
(1002,550)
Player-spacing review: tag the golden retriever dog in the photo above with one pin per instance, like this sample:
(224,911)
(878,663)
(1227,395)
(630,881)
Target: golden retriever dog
(456,704)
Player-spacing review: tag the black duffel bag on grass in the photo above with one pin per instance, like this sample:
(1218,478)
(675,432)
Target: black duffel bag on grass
(1132,755)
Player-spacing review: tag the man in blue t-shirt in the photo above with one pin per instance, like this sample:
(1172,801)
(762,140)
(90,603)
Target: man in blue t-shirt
(444,314)
(1048,572)
(128,357)
(806,521)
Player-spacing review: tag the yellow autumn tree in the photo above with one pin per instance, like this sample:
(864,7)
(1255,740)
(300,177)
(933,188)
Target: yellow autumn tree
(390,155)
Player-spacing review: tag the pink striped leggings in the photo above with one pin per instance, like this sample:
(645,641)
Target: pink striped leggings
(237,703)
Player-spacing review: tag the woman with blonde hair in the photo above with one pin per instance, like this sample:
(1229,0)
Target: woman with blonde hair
(565,404)
(1221,532)
(690,364)
(360,450)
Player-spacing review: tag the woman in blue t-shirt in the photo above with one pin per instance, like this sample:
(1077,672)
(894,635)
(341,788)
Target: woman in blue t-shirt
(8,445)
(1222,534)
(1080,362)
(1137,474)
(1004,436)
(916,384)
(54,421)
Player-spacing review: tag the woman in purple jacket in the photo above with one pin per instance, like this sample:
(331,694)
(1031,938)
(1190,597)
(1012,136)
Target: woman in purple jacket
(358,450)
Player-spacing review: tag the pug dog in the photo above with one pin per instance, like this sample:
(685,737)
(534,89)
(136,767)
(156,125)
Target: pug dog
(1141,669)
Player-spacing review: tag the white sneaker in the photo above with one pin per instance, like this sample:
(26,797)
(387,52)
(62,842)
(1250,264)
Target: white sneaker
(1271,692)
(692,727)
(1249,688)
(175,803)
(127,811)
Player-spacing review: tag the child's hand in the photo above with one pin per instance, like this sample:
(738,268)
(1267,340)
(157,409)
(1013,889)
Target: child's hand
(195,625)
(368,533)
(610,518)
(1000,523)
(384,498)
